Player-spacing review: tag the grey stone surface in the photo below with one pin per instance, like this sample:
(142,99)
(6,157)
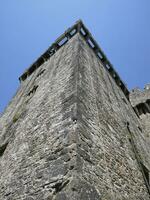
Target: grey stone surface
(141,99)
(64,135)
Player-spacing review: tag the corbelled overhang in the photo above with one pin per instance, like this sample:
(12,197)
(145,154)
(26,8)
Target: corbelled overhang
(78,27)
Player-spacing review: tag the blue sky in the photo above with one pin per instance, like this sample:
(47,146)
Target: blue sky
(28,27)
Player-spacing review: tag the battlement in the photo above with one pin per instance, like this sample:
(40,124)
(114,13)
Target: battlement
(140,99)
(80,28)
(138,90)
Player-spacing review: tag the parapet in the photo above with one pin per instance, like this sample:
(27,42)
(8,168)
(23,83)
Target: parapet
(80,28)
(140,99)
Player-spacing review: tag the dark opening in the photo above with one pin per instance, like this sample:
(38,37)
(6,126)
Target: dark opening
(107,66)
(73,32)
(33,90)
(136,111)
(130,140)
(148,102)
(40,61)
(100,55)
(32,69)
(114,75)
(140,128)
(103,59)
(2,149)
(51,51)
(23,77)
(146,173)
(63,41)
(83,32)
(142,109)
(91,44)
(46,55)
(128,126)
(139,108)
(40,72)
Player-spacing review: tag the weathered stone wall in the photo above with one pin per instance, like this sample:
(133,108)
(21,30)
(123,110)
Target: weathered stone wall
(138,96)
(66,137)
(39,129)
(104,112)
(142,97)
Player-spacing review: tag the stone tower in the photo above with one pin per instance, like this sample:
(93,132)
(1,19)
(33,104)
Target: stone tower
(70,132)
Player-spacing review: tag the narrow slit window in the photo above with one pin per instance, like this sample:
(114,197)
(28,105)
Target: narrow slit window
(40,72)
(3,148)
(140,128)
(136,111)
(33,90)
(146,173)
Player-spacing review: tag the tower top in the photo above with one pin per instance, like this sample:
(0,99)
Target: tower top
(80,28)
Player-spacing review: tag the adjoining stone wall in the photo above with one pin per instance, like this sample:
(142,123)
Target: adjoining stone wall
(140,100)
(66,134)
(138,96)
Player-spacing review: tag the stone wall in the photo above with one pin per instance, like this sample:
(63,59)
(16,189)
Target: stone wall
(140,100)
(66,134)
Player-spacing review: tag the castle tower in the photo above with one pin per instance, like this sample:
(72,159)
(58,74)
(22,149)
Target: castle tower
(70,132)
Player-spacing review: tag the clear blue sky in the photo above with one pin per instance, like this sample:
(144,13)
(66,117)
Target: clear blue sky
(28,27)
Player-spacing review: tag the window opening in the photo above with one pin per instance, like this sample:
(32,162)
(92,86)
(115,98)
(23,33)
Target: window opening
(40,72)
(140,128)
(23,77)
(145,173)
(107,66)
(114,75)
(63,41)
(91,43)
(33,90)
(148,102)
(73,32)
(2,149)
(100,55)
(136,111)
(140,108)
(32,69)
(83,32)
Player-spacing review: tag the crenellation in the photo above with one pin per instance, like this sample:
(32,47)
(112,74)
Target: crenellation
(63,39)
